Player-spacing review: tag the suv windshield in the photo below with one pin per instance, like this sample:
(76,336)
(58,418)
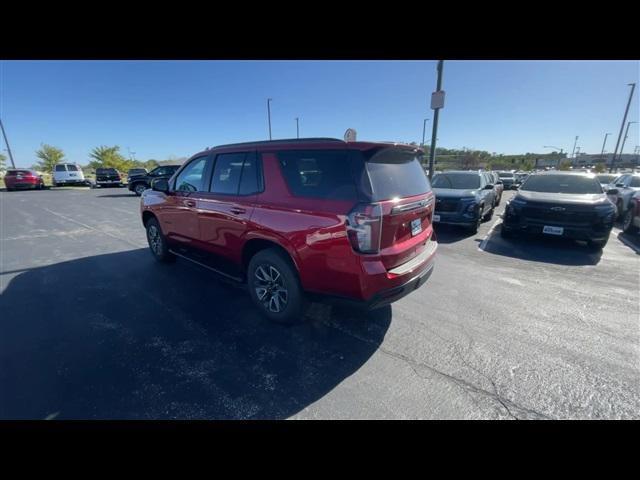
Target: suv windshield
(505,175)
(576,184)
(457,181)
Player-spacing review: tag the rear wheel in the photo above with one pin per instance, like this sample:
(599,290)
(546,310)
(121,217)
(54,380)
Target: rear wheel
(627,222)
(490,213)
(275,288)
(157,242)
(619,207)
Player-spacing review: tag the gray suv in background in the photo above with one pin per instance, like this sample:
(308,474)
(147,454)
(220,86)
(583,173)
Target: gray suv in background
(463,198)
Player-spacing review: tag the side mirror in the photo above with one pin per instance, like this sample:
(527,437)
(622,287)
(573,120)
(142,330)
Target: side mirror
(499,182)
(488,186)
(612,191)
(160,185)
(621,185)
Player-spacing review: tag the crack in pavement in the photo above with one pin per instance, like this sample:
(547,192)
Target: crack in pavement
(464,384)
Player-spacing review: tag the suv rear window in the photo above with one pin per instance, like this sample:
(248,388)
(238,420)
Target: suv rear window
(318,173)
(72,168)
(395,172)
(61,168)
(457,181)
(106,171)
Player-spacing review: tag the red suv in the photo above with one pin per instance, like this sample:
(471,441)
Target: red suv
(351,221)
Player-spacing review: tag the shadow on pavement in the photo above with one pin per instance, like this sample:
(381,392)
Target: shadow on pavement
(452,233)
(119,336)
(117,195)
(533,248)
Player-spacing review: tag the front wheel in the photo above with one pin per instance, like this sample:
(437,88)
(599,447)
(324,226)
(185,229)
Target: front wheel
(157,242)
(627,222)
(597,245)
(139,188)
(275,288)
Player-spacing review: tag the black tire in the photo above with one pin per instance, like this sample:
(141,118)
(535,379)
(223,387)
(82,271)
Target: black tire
(627,222)
(489,215)
(138,188)
(275,288)
(619,208)
(476,226)
(157,242)
(593,245)
(498,200)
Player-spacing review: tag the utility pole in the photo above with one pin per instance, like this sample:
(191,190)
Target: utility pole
(626,135)
(4,134)
(269,115)
(437,102)
(297,128)
(624,119)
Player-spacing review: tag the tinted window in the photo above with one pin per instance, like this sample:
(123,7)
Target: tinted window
(72,168)
(318,173)
(556,183)
(635,182)
(457,181)
(106,171)
(227,172)
(191,178)
(505,175)
(61,168)
(396,172)
(164,171)
(249,180)
(19,172)
(605,178)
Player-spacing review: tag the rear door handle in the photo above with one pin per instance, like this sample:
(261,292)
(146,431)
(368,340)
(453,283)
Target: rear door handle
(189,203)
(237,210)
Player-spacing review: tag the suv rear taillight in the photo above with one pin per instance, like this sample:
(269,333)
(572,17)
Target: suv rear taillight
(364,227)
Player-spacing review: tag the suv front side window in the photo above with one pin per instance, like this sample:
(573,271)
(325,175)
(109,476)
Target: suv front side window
(191,178)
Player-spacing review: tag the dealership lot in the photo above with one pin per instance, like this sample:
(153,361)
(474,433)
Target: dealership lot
(92,327)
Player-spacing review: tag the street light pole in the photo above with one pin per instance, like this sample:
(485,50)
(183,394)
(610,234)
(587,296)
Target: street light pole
(297,128)
(424,129)
(624,119)
(603,144)
(269,115)
(434,133)
(626,135)
(4,134)
(573,153)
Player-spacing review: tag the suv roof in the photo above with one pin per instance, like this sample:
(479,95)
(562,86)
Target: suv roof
(317,142)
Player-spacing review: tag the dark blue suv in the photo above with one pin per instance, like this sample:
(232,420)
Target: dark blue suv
(463,198)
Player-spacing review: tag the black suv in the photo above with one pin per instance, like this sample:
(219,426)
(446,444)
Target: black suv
(108,177)
(561,204)
(139,183)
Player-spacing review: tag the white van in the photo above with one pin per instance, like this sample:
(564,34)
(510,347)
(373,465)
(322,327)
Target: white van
(68,174)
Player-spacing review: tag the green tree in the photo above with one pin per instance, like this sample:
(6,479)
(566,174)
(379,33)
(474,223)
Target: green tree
(600,168)
(3,160)
(48,156)
(109,157)
(564,165)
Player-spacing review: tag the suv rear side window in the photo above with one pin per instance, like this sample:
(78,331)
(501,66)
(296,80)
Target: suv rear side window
(635,182)
(191,178)
(61,168)
(318,174)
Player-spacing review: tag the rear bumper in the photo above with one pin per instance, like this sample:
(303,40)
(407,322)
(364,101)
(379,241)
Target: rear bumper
(71,182)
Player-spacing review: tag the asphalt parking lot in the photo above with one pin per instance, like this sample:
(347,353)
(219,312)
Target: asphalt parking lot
(92,327)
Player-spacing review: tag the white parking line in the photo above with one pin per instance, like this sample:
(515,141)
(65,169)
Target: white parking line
(485,240)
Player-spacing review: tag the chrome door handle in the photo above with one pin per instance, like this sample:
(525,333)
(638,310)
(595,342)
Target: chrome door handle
(237,211)
(189,203)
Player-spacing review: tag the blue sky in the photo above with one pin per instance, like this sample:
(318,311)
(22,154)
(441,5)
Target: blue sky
(160,109)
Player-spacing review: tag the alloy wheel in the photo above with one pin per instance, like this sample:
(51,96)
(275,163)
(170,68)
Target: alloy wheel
(271,288)
(155,241)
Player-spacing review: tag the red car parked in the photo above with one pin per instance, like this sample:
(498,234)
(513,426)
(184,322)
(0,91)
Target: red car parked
(297,218)
(23,178)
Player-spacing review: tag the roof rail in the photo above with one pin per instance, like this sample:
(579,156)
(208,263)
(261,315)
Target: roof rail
(284,140)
